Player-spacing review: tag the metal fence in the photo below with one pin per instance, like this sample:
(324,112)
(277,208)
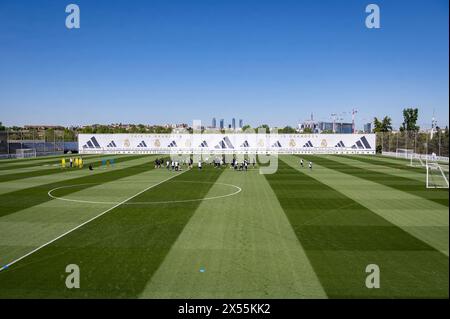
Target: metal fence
(414,142)
(43,142)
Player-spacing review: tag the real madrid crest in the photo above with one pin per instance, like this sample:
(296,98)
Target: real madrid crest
(292,143)
(157,143)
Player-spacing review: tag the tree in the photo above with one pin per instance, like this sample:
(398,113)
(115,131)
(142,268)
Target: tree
(410,117)
(307,130)
(69,135)
(327,132)
(287,130)
(141,128)
(161,129)
(246,127)
(385,125)
(264,126)
(50,135)
(87,130)
(103,129)
(2,128)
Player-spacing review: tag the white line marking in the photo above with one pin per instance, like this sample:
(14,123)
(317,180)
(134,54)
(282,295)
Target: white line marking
(88,221)
(238,190)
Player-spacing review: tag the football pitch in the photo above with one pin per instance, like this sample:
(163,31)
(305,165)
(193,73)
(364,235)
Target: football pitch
(136,231)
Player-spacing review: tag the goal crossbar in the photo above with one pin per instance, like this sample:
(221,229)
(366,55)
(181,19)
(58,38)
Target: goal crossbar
(416,160)
(25,152)
(435,167)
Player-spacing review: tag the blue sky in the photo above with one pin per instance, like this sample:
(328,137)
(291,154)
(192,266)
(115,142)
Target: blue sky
(264,61)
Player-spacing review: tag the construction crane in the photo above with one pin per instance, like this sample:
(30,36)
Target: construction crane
(334,116)
(354,111)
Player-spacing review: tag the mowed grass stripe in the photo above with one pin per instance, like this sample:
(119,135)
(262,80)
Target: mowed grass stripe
(39,158)
(411,186)
(245,244)
(118,252)
(425,220)
(341,237)
(18,200)
(54,170)
(397,165)
(397,160)
(402,162)
(24,231)
(416,174)
(29,170)
(31,182)
(27,163)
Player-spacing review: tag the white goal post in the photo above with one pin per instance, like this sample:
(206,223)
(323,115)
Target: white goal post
(437,175)
(416,160)
(404,152)
(25,153)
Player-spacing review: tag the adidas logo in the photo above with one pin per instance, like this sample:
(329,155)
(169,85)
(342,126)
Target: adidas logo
(92,143)
(111,144)
(308,144)
(361,143)
(204,144)
(224,143)
(142,144)
(340,144)
(220,145)
(276,144)
(172,144)
(245,144)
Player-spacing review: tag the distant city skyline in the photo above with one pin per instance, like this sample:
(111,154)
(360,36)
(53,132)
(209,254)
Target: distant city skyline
(361,124)
(267,62)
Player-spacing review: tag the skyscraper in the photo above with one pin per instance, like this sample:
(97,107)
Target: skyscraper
(214,122)
(233,123)
(241,123)
(222,124)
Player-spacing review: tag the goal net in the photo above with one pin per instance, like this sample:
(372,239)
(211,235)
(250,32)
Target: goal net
(404,152)
(25,153)
(416,161)
(437,174)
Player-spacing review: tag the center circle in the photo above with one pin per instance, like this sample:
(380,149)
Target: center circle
(237,190)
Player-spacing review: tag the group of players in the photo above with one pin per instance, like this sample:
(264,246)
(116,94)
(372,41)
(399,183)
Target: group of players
(78,163)
(242,166)
(302,164)
(175,165)
(218,162)
(73,162)
(171,164)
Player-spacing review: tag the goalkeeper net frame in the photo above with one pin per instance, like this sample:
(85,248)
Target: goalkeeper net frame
(404,152)
(416,160)
(437,177)
(25,153)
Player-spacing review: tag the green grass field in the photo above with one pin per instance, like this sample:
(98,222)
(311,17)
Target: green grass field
(140,232)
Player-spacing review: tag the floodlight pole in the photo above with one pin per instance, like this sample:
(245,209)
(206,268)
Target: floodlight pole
(415,142)
(396,149)
(439,143)
(7,141)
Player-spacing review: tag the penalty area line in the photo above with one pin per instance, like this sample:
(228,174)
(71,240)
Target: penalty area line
(86,222)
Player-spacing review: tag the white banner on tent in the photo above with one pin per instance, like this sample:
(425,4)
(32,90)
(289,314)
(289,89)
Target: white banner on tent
(239,143)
